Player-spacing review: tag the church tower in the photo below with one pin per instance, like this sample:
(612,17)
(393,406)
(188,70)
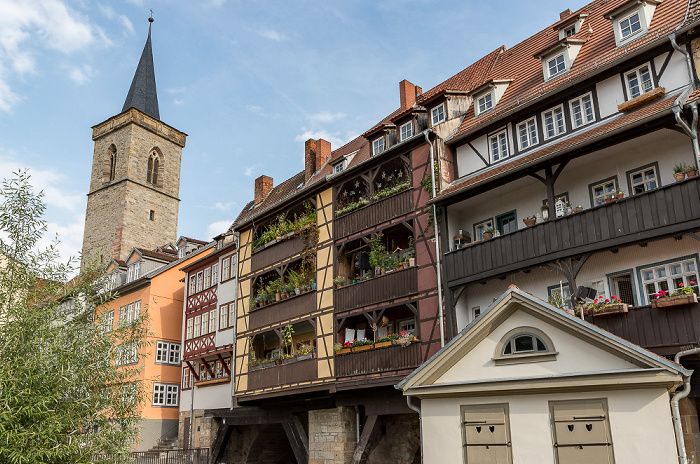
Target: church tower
(135,179)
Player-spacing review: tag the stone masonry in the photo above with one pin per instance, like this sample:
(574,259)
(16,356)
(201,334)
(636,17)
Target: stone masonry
(331,436)
(118,211)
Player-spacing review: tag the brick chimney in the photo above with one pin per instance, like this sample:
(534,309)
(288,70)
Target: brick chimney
(565,14)
(309,159)
(323,152)
(263,186)
(408,93)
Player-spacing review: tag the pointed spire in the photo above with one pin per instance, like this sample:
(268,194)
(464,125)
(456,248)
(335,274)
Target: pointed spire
(142,93)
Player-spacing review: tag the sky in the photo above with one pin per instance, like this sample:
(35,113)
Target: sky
(248,81)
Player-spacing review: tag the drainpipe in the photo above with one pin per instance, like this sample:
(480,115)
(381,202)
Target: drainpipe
(437,241)
(691,131)
(416,408)
(237,239)
(357,424)
(688,61)
(675,399)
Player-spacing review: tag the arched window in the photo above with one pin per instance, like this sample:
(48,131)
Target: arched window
(112,160)
(524,344)
(153,165)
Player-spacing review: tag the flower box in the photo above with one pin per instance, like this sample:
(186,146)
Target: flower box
(362,348)
(611,309)
(688,298)
(344,351)
(306,356)
(383,344)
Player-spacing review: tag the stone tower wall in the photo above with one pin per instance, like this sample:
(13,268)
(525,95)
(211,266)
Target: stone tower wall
(118,211)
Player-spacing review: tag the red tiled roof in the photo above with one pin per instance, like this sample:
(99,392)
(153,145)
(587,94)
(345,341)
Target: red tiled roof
(599,51)
(156,255)
(652,110)
(194,240)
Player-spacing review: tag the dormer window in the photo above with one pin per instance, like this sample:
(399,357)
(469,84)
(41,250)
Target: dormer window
(406,131)
(631,19)
(556,65)
(484,102)
(378,146)
(524,344)
(630,25)
(339,166)
(134,272)
(570,31)
(438,114)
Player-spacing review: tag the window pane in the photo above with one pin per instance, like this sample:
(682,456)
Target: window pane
(523,343)
(675,269)
(540,345)
(508,349)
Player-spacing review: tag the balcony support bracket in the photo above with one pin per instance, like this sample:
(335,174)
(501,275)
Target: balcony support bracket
(548,180)
(297,439)
(569,268)
(369,433)
(221,442)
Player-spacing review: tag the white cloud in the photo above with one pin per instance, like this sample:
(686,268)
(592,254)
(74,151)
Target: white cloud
(249,171)
(218,227)
(271,34)
(326,116)
(178,102)
(253,108)
(80,74)
(224,206)
(175,90)
(334,139)
(109,13)
(28,27)
(70,237)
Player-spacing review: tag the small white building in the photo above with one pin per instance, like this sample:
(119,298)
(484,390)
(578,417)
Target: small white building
(528,383)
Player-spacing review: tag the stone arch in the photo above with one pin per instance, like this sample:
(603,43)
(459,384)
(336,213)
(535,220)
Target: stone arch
(155,167)
(109,172)
(271,446)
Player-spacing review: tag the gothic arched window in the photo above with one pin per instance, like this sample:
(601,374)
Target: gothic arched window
(153,165)
(112,150)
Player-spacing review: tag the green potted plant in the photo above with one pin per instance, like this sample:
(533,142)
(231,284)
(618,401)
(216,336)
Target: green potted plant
(679,172)
(603,306)
(691,171)
(684,294)
(377,254)
(287,332)
(340,281)
(530,221)
(488,233)
(361,345)
(620,194)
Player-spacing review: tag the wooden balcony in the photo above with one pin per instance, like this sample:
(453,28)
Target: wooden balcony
(394,285)
(284,374)
(286,309)
(273,253)
(663,331)
(662,212)
(373,214)
(392,358)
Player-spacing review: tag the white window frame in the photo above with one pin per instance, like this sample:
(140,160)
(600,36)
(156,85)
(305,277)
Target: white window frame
(555,126)
(571,29)
(231,315)
(407,325)
(498,154)
(487,224)
(200,281)
(584,114)
(207,278)
(601,288)
(638,75)
(197,326)
(205,323)
(487,103)
(215,274)
(531,129)
(193,284)
(605,192)
(406,130)
(212,320)
(668,277)
(378,145)
(223,317)
(137,270)
(339,167)
(225,268)
(109,321)
(165,394)
(167,353)
(640,18)
(644,181)
(437,114)
(190,329)
(558,71)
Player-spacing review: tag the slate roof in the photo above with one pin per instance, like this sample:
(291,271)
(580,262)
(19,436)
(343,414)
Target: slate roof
(142,93)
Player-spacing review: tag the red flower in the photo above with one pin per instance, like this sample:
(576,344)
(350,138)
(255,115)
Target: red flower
(607,300)
(680,284)
(614,297)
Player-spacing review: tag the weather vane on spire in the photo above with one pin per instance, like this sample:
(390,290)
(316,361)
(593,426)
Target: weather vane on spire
(150,20)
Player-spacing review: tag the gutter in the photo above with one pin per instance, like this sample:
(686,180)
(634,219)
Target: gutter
(416,408)
(675,411)
(691,131)
(437,239)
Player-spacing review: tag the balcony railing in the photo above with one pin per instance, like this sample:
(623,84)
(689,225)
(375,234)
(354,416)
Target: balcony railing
(394,285)
(667,210)
(373,214)
(282,310)
(283,374)
(267,255)
(664,331)
(386,359)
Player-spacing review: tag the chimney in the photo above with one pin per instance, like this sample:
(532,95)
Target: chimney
(309,159)
(323,152)
(565,14)
(263,186)
(407,92)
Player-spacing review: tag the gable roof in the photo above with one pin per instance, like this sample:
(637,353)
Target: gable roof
(142,93)
(512,300)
